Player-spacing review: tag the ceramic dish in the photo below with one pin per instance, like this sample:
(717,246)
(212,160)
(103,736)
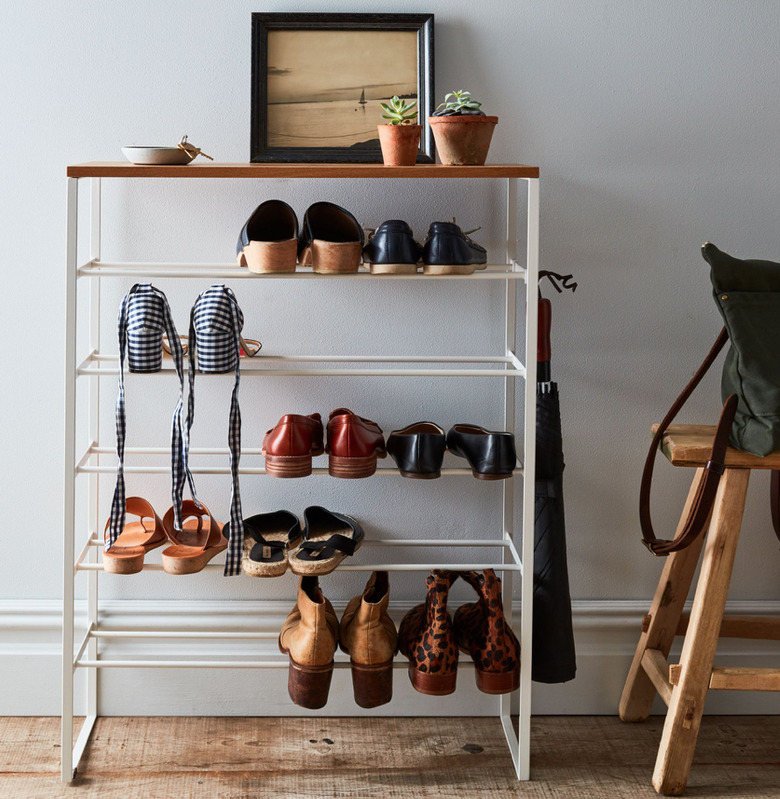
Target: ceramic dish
(137,154)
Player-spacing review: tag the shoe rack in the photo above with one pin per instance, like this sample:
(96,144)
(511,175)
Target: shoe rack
(511,553)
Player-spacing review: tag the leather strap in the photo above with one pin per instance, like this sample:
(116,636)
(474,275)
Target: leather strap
(774,499)
(705,495)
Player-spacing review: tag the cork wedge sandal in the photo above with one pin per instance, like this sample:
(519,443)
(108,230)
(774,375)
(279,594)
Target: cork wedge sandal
(267,538)
(126,555)
(199,540)
(328,538)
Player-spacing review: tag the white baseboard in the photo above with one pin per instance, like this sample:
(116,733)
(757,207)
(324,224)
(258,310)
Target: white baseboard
(606,633)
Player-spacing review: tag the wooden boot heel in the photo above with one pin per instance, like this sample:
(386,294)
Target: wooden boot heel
(372,685)
(309,686)
(433,684)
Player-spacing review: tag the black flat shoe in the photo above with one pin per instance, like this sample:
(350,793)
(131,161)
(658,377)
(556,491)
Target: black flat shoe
(268,242)
(392,250)
(491,455)
(449,251)
(267,537)
(331,240)
(418,450)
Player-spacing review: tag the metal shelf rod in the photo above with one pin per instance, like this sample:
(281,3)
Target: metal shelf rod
(220,664)
(370,567)
(96,268)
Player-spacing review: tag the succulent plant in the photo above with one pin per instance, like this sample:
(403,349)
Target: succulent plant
(458,103)
(399,112)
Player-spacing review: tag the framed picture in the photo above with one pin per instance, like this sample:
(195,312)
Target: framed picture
(318,80)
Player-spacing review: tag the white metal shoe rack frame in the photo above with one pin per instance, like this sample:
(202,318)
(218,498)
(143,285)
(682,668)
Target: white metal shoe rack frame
(83,654)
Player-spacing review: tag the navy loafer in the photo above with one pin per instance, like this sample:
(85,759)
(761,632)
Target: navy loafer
(449,251)
(392,250)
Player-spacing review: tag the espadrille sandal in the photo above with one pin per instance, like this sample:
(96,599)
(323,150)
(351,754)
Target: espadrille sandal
(328,538)
(126,555)
(267,537)
(199,540)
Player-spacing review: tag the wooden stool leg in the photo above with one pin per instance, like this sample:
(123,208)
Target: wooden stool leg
(660,624)
(675,752)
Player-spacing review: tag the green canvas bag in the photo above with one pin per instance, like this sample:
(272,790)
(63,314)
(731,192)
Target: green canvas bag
(747,294)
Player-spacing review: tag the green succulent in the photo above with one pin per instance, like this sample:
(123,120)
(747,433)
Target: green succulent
(399,112)
(458,102)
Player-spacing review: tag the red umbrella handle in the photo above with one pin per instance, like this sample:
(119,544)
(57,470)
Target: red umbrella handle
(543,349)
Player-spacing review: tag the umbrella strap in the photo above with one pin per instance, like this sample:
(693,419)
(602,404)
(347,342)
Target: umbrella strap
(708,485)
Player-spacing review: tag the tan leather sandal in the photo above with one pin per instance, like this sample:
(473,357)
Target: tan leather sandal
(126,556)
(199,540)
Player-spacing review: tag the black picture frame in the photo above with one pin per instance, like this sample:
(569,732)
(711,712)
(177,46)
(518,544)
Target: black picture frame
(263,23)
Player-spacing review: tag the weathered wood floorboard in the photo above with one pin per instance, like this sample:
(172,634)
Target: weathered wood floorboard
(231,758)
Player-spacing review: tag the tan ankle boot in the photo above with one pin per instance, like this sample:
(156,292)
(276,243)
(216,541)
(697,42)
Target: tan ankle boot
(309,637)
(368,636)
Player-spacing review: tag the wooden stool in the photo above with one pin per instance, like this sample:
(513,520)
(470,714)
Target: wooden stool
(684,686)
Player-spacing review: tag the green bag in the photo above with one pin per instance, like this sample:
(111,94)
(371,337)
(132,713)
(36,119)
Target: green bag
(747,294)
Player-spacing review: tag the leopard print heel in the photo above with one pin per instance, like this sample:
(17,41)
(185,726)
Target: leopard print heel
(426,637)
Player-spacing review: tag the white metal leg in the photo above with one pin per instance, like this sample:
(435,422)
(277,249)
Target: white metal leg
(69,488)
(529,488)
(94,435)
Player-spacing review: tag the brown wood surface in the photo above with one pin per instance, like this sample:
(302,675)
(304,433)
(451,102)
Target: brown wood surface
(660,625)
(691,445)
(215,169)
(675,752)
(577,757)
(657,669)
(762,628)
(745,679)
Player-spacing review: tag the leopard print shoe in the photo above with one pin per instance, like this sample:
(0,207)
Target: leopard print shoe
(482,632)
(427,638)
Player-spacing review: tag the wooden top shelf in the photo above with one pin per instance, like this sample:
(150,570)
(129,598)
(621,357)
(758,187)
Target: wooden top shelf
(213,169)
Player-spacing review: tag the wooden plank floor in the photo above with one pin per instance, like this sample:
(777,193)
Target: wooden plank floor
(229,758)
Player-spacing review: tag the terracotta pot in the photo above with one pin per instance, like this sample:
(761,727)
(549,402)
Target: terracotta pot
(399,143)
(463,140)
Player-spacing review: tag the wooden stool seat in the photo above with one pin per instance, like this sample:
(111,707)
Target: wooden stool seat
(684,686)
(691,444)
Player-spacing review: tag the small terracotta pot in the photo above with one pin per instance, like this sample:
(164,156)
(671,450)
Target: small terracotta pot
(399,143)
(463,141)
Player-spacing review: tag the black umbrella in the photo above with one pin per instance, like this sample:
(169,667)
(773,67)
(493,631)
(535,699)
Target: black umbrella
(554,659)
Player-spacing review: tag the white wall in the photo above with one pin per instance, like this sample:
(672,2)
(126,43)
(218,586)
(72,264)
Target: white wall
(655,126)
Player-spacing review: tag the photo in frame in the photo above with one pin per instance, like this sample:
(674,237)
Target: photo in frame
(318,81)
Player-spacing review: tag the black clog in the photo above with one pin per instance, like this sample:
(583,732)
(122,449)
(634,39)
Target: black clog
(331,239)
(268,242)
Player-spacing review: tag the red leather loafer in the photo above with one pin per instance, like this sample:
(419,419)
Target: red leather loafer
(288,448)
(354,444)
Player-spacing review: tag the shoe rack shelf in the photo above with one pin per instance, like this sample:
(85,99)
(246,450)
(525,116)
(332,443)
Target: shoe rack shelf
(510,553)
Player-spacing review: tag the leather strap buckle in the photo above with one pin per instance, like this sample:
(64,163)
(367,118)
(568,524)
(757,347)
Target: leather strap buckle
(714,466)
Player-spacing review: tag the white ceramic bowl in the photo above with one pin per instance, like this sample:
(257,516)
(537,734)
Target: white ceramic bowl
(138,154)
